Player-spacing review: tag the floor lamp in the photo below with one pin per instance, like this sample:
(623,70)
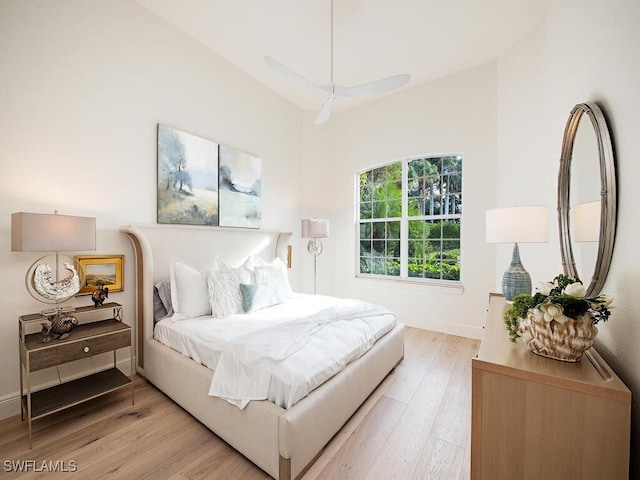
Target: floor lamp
(524,224)
(315,229)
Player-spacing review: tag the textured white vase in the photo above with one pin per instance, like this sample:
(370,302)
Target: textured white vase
(564,340)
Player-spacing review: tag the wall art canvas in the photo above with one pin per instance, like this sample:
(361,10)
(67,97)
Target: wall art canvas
(240,188)
(187,178)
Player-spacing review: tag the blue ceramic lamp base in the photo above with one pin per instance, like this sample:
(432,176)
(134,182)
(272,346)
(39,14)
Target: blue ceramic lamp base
(516,279)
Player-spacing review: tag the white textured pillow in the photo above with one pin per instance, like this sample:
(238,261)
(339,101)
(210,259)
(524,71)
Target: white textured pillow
(224,292)
(189,293)
(276,270)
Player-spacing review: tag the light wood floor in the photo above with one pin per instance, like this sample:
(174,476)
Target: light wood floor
(416,425)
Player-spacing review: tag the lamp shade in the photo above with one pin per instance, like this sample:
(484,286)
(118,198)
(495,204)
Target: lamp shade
(522,224)
(586,221)
(315,228)
(40,232)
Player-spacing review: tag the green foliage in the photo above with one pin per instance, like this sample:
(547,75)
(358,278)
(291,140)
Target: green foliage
(572,306)
(517,311)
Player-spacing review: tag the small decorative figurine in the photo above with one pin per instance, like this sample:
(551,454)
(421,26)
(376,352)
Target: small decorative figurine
(99,295)
(58,326)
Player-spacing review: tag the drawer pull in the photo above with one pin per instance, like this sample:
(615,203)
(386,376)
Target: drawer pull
(86,349)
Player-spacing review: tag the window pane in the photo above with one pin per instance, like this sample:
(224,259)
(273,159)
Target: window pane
(377,266)
(450,271)
(393,248)
(433,230)
(365,210)
(394,172)
(416,249)
(379,229)
(394,190)
(365,230)
(393,266)
(432,270)
(379,210)
(394,208)
(365,247)
(416,229)
(393,230)
(365,265)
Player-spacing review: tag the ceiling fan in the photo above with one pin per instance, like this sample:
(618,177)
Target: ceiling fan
(332,92)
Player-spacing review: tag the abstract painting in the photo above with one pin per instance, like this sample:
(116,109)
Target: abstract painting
(240,188)
(187,178)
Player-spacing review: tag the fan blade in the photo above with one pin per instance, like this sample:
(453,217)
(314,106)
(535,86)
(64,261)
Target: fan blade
(325,112)
(373,88)
(285,71)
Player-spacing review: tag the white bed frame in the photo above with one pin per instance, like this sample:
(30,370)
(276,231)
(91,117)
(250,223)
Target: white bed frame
(284,443)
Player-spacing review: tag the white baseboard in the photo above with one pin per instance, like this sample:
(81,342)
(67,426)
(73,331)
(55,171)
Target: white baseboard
(10,403)
(457,329)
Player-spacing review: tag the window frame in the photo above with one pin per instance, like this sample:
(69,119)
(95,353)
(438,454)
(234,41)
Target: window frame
(404,220)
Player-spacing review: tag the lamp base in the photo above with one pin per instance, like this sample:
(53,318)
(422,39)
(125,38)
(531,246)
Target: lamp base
(516,280)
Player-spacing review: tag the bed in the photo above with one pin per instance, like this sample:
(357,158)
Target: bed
(284,442)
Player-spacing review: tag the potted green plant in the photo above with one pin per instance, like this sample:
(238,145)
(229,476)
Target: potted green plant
(558,321)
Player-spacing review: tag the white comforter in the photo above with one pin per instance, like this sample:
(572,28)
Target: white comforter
(252,360)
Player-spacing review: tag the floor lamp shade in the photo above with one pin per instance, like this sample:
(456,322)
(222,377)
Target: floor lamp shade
(523,224)
(315,228)
(39,232)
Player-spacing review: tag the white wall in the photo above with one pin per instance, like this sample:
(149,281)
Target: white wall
(88,80)
(83,85)
(456,114)
(586,51)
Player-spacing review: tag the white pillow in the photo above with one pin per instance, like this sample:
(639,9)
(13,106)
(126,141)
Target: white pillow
(189,292)
(276,270)
(224,292)
(253,261)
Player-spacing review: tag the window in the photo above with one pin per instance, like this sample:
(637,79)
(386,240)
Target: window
(410,214)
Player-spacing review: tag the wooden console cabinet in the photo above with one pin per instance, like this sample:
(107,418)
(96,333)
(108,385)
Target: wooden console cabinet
(108,333)
(536,418)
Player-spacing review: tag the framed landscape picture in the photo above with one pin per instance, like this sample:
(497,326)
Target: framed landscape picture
(240,188)
(187,178)
(101,270)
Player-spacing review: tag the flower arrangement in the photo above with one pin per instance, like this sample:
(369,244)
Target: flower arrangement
(557,300)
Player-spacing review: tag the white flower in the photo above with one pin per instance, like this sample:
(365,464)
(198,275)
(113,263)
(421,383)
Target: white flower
(553,311)
(576,290)
(606,299)
(545,288)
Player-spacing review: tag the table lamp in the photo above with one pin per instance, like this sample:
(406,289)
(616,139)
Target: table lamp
(38,232)
(522,224)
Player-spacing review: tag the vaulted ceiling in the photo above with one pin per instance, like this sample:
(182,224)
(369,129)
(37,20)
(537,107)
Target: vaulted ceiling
(373,39)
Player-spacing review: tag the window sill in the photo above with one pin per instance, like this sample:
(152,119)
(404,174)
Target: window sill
(452,288)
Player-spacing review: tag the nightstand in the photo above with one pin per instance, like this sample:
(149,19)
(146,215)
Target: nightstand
(103,331)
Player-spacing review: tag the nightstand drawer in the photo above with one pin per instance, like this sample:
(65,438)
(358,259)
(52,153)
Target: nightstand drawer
(69,351)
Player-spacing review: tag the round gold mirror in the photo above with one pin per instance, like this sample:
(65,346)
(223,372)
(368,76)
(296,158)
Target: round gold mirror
(587,199)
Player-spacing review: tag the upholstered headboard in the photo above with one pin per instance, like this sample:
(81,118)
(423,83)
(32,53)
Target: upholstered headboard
(155,245)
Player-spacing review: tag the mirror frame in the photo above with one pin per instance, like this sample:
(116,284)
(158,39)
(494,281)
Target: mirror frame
(608,196)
